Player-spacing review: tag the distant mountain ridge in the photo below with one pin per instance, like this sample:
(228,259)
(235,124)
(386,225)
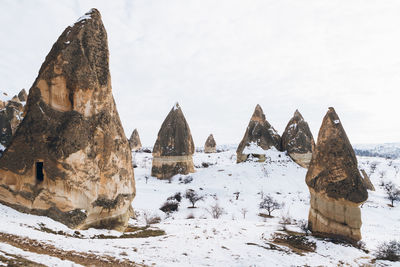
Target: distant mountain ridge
(386,150)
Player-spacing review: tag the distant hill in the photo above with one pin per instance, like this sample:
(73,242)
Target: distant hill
(387,150)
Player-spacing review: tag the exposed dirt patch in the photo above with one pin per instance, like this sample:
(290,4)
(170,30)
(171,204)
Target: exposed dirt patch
(15,260)
(82,258)
(297,242)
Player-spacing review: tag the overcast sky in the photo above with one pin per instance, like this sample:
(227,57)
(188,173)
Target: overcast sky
(218,59)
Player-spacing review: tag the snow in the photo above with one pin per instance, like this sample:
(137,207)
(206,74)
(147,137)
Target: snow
(204,241)
(176,106)
(253,148)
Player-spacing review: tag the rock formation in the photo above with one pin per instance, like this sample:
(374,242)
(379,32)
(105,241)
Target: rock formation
(336,186)
(259,136)
(22,95)
(134,141)
(367,182)
(69,158)
(210,146)
(11,115)
(174,147)
(298,141)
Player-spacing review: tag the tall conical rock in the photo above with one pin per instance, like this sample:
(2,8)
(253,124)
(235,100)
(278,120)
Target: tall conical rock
(336,186)
(298,141)
(134,141)
(210,146)
(11,116)
(174,147)
(69,158)
(259,134)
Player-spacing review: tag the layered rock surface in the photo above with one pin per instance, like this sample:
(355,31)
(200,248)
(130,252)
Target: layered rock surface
(336,186)
(298,141)
(210,146)
(174,147)
(259,133)
(134,141)
(69,158)
(11,115)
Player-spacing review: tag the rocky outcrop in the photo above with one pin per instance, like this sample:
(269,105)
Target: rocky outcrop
(69,158)
(174,147)
(210,146)
(22,95)
(336,186)
(11,115)
(259,134)
(367,182)
(134,141)
(298,141)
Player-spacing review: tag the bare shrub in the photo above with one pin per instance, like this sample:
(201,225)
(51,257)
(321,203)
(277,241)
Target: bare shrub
(388,251)
(151,219)
(269,204)
(216,210)
(392,192)
(177,196)
(286,219)
(193,197)
(170,206)
(303,225)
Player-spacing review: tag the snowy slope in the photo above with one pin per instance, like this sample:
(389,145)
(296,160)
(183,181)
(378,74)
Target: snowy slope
(230,240)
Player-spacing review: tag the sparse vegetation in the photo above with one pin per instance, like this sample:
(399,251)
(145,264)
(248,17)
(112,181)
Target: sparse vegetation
(216,210)
(151,219)
(170,206)
(392,192)
(269,204)
(244,212)
(303,225)
(388,251)
(193,197)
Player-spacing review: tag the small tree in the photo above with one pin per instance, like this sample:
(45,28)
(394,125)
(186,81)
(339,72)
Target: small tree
(269,204)
(193,197)
(392,192)
(244,212)
(216,210)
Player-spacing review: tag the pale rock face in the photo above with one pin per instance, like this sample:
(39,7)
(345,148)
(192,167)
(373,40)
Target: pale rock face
(336,186)
(134,141)
(69,158)
(174,147)
(298,141)
(260,132)
(210,146)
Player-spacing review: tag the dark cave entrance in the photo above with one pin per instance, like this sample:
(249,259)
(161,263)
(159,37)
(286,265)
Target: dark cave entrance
(39,171)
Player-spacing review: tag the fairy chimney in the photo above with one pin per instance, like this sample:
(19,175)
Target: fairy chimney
(298,141)
(210,145)
(11,115)
(134,141)
(174,147)
(259,136)
(336,186)
(61,162)
(22,95)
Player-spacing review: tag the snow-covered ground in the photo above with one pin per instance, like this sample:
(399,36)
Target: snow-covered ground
(194,238)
